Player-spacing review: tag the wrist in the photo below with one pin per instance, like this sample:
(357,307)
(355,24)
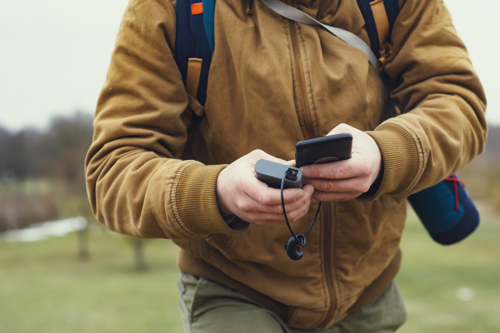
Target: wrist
(375,185)
(220,196)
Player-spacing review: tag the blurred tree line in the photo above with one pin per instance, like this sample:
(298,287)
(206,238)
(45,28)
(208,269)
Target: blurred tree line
(42,177)
(42,171)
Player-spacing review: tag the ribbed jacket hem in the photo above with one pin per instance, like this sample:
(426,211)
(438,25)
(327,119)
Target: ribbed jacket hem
(295,317)
(401,158)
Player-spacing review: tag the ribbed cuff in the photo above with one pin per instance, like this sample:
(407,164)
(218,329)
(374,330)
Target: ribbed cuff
(196,200)
(400,158)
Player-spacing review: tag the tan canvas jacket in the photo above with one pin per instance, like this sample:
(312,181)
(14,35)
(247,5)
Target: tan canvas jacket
(151,172)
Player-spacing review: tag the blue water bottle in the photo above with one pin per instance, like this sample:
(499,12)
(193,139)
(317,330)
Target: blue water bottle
(446,211)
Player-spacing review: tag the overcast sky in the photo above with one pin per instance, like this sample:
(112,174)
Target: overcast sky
(54,54)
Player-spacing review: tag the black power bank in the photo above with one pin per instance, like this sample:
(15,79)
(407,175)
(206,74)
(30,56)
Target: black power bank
(272,173)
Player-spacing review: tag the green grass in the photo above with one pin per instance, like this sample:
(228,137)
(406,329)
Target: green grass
(44,287)
(432,274)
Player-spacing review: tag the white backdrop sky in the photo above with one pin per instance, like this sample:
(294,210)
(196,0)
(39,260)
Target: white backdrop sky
(54,54)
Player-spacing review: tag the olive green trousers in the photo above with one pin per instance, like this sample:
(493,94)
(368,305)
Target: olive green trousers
(208,307)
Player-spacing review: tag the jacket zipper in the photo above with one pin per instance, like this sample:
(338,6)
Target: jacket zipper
(328,247)
(300,79)
(329,255)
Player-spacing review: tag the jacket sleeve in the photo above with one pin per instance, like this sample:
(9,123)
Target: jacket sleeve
(136,183)
(439,99)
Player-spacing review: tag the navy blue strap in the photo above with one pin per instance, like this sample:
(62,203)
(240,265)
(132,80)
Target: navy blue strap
(208,21)
(192,41)
(392,10)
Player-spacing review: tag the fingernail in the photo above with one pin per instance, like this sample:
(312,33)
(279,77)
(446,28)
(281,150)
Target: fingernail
(304,171)
(299,195)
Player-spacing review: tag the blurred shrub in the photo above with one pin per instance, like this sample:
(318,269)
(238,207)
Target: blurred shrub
(42,171)
(18,211)
(482,175)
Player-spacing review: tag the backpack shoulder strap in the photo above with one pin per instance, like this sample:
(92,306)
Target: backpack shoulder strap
(194,44)
(379,18)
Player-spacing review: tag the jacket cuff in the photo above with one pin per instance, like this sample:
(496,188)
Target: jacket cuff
(401,159)
(196,199)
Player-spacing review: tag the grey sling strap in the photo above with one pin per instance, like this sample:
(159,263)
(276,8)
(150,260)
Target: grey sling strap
(296,15)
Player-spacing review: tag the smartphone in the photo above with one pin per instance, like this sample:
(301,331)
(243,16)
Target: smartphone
(326,149)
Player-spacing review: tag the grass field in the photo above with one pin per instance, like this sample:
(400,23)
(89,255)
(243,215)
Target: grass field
(452,289)
(44,287)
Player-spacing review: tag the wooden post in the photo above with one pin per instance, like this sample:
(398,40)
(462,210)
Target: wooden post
(83,242)
(12,209)
(140,263)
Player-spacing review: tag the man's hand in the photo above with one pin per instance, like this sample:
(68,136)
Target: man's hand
(346,179)
(239,192)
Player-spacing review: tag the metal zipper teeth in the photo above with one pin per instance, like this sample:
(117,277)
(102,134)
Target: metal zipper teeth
(329,246)
(301,81)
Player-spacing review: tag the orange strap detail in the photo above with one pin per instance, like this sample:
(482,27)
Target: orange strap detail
(385,53)
(197,8)
(381,21)
(193,76)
